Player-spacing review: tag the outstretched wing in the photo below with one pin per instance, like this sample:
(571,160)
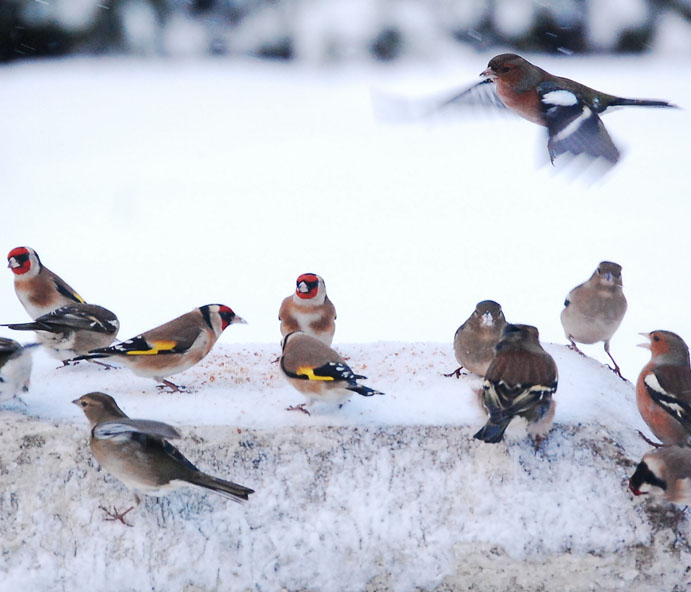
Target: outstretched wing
(126,427)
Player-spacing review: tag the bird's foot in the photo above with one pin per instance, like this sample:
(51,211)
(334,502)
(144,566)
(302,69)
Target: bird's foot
(276,360)
(456,373)
(300,407)
(649,441)
(174,388)
(573,347)
(617,371)
(103,364)
(115,515)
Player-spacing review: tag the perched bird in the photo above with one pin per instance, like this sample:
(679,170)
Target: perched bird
(15,367)
(137,452)
(520,380)
(664,472)
(172,347)
(569,110)
(309,309)
(39,290)
(663,390)
(475,339)
(318,372)
(594,309)
(73,330)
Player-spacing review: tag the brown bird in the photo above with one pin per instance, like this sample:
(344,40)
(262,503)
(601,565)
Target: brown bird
(172,347)
(475,339)
(520,380)
(73,330)
(664,472)
(39,290)
(318,372)
(137,452)
(663,389)
(568,109)
(594,309)
(15,367)
(309,309)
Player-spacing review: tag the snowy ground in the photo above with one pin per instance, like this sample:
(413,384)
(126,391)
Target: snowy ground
(156,187)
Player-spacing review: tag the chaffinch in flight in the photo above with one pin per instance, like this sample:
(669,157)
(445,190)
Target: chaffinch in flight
(309,309)
(475,339)
(172,347)
(663,390)
(664,472)
(568,109)
(15,367)
(520,380)
(73,330)
(318,372)
(594,309)
(137,452)
(39,290)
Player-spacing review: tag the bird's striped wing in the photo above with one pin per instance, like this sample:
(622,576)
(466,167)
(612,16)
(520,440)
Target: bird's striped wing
(79,319)
(328,372)
(678,408)
(125,427)
(573,127)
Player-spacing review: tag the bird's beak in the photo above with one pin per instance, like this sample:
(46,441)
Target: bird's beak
(302,288)
(647,344)
(488,73)
(75,402)
(634,490)
(487,319)
(609,277)
(12,263)
(239,320)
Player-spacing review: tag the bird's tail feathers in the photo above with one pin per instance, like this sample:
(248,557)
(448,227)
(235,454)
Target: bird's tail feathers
(619,101)
(365,391)
(34,326)
(228,489)
(492,432)
(94,356)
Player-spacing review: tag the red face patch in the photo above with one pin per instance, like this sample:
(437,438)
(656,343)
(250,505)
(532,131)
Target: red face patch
(19,261)
(226,315)
(307,286)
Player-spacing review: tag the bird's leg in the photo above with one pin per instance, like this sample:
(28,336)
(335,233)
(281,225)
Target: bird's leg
(574,347)
(456,373)
(174,388)
(300,407)
(106,366)
(115,515)
(616,369)
(649,441)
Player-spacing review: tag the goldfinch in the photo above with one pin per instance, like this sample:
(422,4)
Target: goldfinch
(39,290)
(318,372)
(309,309)
(664,472)
(137,452)
(73,330)
(172,347)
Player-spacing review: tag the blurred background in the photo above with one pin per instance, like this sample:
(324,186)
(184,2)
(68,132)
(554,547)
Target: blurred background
(338,30)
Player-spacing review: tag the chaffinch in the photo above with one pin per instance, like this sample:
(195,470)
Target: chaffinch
(15,367)
(73,330)
(318,372)
(663,389)
(309,309)
(39,290)
(474,340)
(137,452)
(568,109)
(594,309)
(664,472)
(520,380)
(172,347)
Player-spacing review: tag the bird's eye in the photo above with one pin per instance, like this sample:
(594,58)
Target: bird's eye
(656,338)
(84,403)
(505,69)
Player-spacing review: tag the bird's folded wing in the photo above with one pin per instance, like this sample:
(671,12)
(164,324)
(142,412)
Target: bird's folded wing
(125,427)
(139,346)
(676,407)
(78,320)
(328,372)
(66,290)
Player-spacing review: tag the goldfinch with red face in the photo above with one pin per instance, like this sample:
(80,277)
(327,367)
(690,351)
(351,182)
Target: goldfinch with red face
(172,347)
(73,330)
(594,310)
(137,452)
(475,340)
(568,109)
(664,472)
(520,381)
(15,367)
(318,372)
(309,309)
(663,389)
(39,290)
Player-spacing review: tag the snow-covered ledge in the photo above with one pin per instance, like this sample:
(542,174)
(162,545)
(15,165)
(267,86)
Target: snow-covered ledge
(383,494)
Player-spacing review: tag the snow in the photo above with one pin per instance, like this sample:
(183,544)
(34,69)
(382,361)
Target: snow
(154,187)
